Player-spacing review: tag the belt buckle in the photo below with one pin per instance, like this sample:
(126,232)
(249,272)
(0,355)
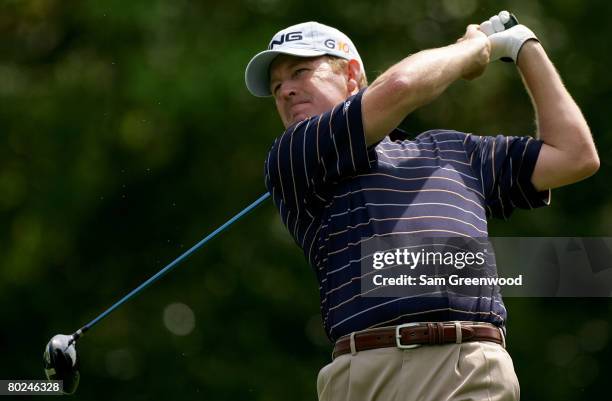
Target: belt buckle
(398,336)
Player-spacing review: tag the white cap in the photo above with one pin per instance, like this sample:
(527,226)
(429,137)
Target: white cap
(308,39)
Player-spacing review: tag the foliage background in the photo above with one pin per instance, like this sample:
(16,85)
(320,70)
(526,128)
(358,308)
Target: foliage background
(126,134)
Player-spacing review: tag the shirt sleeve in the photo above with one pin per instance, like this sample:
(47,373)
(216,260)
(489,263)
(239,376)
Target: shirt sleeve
(315,153)
(504,165)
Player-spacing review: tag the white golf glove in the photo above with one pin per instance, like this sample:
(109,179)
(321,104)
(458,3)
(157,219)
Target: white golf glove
(505,43)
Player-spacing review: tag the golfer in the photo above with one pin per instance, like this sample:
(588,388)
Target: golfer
(342,174)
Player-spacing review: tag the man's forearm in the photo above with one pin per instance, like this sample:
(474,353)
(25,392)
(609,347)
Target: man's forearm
(416,81)
(560,123)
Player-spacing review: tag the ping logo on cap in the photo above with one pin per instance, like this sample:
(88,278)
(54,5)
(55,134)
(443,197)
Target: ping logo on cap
(286,37)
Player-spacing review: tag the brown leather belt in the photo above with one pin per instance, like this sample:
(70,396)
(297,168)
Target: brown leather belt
(412,335)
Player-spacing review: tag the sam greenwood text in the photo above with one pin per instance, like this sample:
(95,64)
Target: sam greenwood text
(453,279)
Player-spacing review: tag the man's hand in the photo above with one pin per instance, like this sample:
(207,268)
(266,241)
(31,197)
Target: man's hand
(505,43)
(477,64)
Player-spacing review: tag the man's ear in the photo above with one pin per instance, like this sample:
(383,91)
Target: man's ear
(353,76)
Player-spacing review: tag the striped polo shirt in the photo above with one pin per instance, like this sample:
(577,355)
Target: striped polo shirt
(333,192)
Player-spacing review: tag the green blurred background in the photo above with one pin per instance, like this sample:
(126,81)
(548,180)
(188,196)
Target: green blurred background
(127,134)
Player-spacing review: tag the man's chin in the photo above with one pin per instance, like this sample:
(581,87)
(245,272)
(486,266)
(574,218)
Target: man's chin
(299,117)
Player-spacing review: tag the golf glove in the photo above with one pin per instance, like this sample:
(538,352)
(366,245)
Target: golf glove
(505,43)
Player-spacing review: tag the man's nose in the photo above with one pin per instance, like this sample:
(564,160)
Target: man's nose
(288,89)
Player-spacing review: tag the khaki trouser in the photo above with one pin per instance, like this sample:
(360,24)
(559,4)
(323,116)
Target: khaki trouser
(478,370)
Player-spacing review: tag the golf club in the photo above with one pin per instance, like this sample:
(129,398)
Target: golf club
(60,356)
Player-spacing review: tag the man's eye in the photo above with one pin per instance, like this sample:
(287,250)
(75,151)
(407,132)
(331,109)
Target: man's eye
(275,89)
(300,71)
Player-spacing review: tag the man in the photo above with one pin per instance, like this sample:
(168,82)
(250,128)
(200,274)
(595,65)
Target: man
(342,174)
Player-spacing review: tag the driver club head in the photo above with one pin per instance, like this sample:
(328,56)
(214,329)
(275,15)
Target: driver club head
(60,356)
(60,360)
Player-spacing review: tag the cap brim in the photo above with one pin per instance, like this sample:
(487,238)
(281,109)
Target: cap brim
(257,76)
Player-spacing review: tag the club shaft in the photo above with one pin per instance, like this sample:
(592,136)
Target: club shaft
(172,264)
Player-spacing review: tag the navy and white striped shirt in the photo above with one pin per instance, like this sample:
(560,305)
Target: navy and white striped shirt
(332,192)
